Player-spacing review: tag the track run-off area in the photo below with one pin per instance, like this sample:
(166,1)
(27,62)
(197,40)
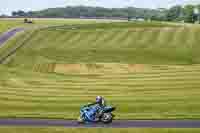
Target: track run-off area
(7,35)
(115,124)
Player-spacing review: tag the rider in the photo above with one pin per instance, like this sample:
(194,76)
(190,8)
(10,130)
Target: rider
(100,102)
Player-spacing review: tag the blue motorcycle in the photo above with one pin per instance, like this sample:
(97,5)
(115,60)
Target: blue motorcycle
(96,114)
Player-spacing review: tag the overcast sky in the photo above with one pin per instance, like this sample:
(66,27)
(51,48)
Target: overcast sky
(7,6)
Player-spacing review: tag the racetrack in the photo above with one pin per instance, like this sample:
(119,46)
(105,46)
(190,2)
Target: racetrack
(7,35)
(115,124)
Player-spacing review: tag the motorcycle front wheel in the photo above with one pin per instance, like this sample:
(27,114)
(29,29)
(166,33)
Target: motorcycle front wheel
(107,118)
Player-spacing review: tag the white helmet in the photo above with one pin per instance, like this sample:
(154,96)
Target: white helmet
(99,99)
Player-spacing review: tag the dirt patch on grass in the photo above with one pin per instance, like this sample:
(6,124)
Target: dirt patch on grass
(100,68)
(137,67)
(109,68)
(66,68)
(166,29)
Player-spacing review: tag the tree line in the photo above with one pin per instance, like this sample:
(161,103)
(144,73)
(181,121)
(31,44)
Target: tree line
(186,13)
(175,13)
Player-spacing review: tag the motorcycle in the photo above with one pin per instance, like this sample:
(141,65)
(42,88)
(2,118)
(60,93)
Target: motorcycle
(95,114)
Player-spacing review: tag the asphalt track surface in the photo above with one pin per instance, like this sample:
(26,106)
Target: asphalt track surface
(7,35)
(115,124)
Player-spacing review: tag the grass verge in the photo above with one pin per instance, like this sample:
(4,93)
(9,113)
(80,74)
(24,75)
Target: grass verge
(99,130)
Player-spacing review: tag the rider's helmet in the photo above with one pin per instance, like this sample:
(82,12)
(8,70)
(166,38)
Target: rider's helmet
(99,99)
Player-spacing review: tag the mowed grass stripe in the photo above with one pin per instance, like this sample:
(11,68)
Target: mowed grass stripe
(155,35)
(118,100)
(61,39)
(71,43)
(192,37)
(109,36)
(101,36)
(130,76)
(189,38)
(69,39)
(123,84)
(53,38)
(137,93)
(181,37)
(130,40)
(118,39)
(113,87)
(118,91)
(115,77)
(124,39)
(77,104)
(84,37)
(39,38)
(132,108)
(139,36)
(94,89)
(124,81)
(166,35)
(91,40)
(127,39)
(149,38)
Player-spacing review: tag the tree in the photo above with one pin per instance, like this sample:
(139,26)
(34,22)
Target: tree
(198,15)
(14,13)
(189,15)
(19,13)
(174,13)
(84,12)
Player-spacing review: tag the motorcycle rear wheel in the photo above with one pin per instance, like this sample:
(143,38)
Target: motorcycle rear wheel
(80,120)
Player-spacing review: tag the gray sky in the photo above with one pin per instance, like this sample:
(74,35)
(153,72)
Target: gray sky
(7,6)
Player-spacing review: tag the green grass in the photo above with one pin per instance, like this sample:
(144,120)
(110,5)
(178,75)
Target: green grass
(156,94)
(6,24)
(167,89)
(119,25)
(85,130)
(149,45)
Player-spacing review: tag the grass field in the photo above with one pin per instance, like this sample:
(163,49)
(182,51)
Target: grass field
(6,23)
(156,94)
(82,130)
(148,71)
(133,45)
